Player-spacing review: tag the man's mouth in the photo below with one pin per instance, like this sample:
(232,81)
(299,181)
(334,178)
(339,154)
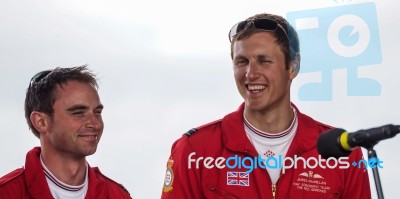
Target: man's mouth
(89,137)
(256,88)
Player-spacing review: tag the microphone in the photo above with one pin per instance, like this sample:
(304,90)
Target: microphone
(339,143)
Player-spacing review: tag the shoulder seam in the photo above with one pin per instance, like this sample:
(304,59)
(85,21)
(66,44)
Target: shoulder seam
(209,124)
(97,170)
(190,132)
(194,130)
(11,176)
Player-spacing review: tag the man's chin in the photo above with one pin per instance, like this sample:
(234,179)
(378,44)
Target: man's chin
(88,152)
(254,106)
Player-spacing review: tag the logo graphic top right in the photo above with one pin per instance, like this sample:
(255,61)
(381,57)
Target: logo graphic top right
(338,37)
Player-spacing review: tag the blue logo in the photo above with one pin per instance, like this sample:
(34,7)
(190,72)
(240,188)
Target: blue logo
(371,163)
(334,38)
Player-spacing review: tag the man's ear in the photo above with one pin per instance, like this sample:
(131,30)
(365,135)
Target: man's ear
(295,66)
(39,121)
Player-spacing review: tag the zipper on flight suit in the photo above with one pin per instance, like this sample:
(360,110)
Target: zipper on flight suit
(273,191)
(273,185)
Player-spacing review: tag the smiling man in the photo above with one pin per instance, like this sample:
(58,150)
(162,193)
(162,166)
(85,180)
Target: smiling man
(63,109)
(267,148)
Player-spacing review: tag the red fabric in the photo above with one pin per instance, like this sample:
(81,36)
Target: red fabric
(226,138)
(31,182)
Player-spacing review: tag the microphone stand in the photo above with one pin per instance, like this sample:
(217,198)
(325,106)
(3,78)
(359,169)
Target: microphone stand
(372,156)
(380,133)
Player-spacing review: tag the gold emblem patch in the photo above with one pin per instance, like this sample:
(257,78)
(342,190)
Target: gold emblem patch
(169,177)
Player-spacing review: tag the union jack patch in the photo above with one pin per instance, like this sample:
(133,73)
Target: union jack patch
(237,178)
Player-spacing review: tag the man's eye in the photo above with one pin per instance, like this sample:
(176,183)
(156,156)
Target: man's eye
(241,62)
(77,113)
(265,61)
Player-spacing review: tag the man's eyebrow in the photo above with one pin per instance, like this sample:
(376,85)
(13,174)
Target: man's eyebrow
(77,107)
(82,107)
(239,57)
(100,106)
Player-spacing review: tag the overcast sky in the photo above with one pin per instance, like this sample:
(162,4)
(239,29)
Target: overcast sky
(164,67)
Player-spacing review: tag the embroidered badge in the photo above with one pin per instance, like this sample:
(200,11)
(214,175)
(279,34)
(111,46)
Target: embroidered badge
(237,178)
(169,177)
(269,153)
(310,174)
(312,182)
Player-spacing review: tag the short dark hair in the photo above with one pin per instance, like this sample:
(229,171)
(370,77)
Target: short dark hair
(289,41)
(41,92)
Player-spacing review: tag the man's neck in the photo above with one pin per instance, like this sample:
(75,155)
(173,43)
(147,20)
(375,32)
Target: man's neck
(68,170)
(274,120)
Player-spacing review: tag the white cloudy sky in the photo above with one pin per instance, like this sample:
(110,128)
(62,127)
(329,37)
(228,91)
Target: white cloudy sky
(164,67)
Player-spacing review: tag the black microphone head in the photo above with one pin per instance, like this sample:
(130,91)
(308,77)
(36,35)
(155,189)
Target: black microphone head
(328,144)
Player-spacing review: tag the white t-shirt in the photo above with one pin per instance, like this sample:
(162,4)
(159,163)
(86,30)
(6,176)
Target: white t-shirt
(271,145)
(60,190)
